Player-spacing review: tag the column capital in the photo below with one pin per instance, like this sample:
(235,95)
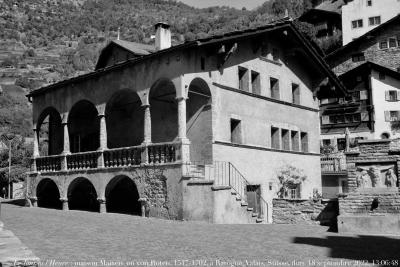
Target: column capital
(101,115)
(101,200)
(146,105)
(181,98)
(63,199)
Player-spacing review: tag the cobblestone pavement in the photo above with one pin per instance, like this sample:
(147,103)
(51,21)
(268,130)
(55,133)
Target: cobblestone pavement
(92,237)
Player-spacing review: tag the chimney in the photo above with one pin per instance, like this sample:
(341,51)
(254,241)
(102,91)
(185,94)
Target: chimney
(163,36)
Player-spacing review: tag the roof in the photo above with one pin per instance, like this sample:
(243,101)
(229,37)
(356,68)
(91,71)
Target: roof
(284,24)
(315,15)
(371,65)
(332,6)
(137,49)
(364,37)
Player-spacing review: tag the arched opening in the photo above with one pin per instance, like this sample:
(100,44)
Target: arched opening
(84,127)
(48,195)
(164,111)
(124,118)
(122,196)
(50,132)
(82,195)
(199,121)
(385,135)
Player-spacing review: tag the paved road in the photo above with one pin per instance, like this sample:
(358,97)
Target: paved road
(92,237)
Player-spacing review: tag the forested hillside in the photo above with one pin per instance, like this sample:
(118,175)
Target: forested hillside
(43,41)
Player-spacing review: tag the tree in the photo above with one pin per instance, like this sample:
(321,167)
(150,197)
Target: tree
(289,177)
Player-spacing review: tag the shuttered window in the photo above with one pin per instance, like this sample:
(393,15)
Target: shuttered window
(363,95)
(364,116)
(393,115)
(392,95)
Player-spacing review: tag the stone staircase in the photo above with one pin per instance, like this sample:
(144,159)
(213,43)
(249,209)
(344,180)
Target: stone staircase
(229,194)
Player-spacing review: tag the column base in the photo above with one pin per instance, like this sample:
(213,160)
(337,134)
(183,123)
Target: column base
(64,203)
(103,208)
(143,202)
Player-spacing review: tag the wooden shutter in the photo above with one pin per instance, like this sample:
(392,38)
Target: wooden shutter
(387,115)
(387,95)
(398,115)
(364,116)
(363,95)
(325,119)
(397,95)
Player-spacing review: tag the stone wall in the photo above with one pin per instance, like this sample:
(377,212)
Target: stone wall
(364,201)
(287,211)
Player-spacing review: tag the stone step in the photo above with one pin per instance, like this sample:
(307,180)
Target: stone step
(233,193)
(259,220)
(254,214)
(238,198)
(249,209)
(244,204)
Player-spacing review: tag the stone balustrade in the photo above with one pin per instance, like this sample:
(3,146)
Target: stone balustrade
(160,153)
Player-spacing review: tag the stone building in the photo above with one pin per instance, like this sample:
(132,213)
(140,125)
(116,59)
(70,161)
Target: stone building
(195,131)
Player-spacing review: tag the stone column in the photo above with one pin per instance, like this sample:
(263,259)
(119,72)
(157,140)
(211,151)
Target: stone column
(182,118)
(103,140)
(66,147)
(35,149)
(143,202)
(146,133)
(102,202)
(64,203)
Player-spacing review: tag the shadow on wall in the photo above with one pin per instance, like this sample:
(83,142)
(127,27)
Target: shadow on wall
(383,250)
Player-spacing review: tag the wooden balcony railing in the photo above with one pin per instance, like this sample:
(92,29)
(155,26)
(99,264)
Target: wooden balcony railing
(117,157)
(332,164)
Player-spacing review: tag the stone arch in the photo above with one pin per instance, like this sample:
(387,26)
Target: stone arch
(82,195)
(50,132)
(164,111)
(122,196)
(83,127)
(48,194)
(125,119)
(199,120)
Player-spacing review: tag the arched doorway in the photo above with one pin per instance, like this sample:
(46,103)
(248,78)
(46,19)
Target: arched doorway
(82,195)
(48,194)
(124,117)
(199,121)
(50,132)
(83,127)
(122,196)
(164,111)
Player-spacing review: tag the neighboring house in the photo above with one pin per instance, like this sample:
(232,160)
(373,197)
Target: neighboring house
(380,45)
(326,17)
(371,112)
(361,16)
(197,131)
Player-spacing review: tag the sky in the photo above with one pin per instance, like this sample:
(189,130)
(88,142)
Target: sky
(249,4)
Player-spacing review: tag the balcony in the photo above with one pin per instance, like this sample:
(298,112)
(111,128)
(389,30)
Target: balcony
(333,164)
(160,153)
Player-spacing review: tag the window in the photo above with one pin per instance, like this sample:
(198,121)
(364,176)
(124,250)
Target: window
(325,120)
(304,142)
(392,115)
(236,131)
(326,142)
(203,63)
(382,76)
(383,45)
(243,79)
(374,20)
(392,95)
(358,57)
(294,135)
(392,42)
(295,93)
(363,95)
(275,138)
(369,2)
(275,54)
(343,188)
(357,23)
(274,85)
(356,96)
(255,82)
(364,116)
(285,139)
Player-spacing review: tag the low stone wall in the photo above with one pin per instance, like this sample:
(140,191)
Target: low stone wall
(292,211)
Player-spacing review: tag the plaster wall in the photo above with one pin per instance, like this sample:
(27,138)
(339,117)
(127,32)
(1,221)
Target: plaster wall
(358,9)
(379,87)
